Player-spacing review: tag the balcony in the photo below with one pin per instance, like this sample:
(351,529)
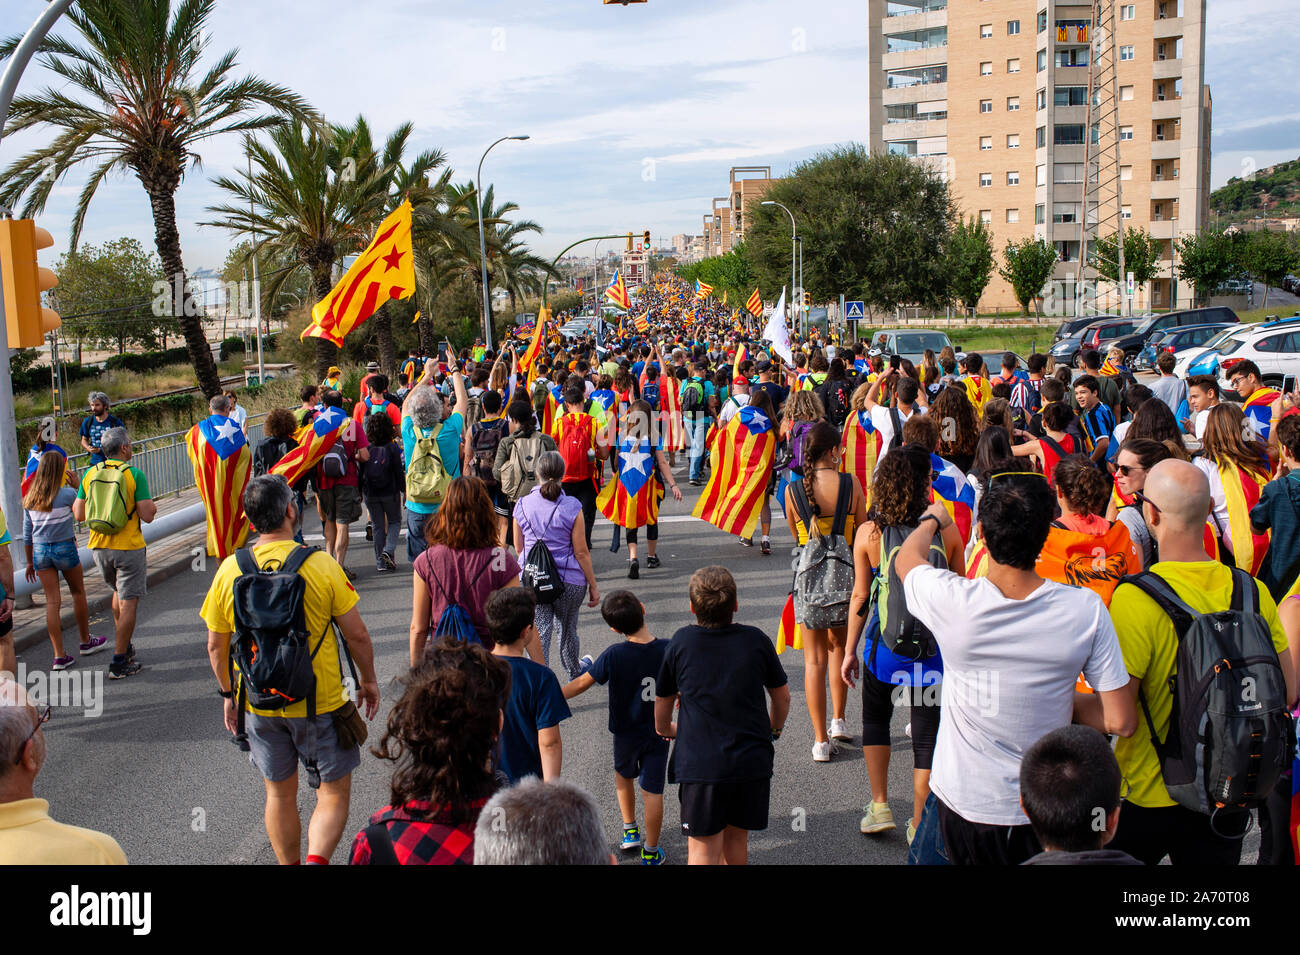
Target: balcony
(916,129)
(1166,149)
(1165,189)
(924,56)
(1167,109)
(1170,28)
(917,93)
(1171,69)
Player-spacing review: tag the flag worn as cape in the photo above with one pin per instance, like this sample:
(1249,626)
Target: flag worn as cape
(1242,489)
(631,498)
(221,459)
(1259,411)
(673,428)
(317,438)
(742,464)
(34,460)
(861,445)
(789,633)
(951,487)
(385,270)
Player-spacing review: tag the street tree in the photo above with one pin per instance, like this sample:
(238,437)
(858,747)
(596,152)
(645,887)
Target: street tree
(106,293)
(1206,260)
(970,261)
(1027,265)
(1141,257)
(1270,257)
(135,99)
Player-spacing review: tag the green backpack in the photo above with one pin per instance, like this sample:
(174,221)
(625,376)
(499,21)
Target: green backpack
(427,479)
(107,509)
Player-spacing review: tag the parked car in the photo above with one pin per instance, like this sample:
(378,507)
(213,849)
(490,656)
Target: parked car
(1205,359)
(1071,326)
(1174,341)
(1134,342)
(1273,346)
(1099,335)
(911,343)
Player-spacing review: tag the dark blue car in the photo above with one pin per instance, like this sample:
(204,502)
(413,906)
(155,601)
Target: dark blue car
(1175,340)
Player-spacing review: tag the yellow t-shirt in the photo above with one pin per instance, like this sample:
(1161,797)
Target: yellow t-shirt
(329,594)
(1149,644)
(28,836)
(136,486)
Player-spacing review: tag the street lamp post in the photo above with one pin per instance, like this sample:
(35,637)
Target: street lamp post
(794,232)
(482,244)
(807,316)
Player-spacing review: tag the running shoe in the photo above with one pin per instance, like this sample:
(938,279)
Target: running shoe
(821,752)
(120,671)
(652,561)
(747,542)
(693,483)
(652,858)
(633,570)
(766,547)
(370,531)
(389,560)
(840,730)
(878,818)
(631,839)
(94,646)
(130,652)
(62,663)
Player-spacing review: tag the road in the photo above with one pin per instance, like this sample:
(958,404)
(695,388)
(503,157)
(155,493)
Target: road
(156,770)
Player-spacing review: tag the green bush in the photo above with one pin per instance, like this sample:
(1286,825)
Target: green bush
(147,361)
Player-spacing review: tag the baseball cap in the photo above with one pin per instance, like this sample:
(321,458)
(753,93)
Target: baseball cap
(740,380)
(764,364)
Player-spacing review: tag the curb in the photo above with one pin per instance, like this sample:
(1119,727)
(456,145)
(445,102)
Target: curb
(36,634)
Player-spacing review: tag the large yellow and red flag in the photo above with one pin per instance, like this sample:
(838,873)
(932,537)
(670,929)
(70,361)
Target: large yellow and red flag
(535,344)
(317,438)
(789,633)
(741,459)
(755,304)
(631,498)
(617,291)
(1241,489)
(702,291)
(642,323)
(384,271)
(741,354)
(670,404)
(861,450)
(221,460)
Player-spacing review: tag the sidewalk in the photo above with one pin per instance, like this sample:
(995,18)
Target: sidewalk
(166,559)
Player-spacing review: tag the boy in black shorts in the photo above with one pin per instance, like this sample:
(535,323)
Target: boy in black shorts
(631,668)
(718,671)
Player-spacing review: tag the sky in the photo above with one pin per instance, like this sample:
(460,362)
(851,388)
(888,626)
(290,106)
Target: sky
(635,113)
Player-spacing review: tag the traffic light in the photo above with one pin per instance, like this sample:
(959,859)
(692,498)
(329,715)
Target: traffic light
(629,241)
(807,301)
(645,236)
(23,282)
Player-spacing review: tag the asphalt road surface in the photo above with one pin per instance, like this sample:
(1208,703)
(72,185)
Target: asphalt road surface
(156,768)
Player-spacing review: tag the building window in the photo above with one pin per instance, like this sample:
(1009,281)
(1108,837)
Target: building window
(1013,104)
(1042,60)
(1127,11)
(1068,134)
(1126,52)
(1126,212)
(1040,174)
(1042,99)
(1013,140)
(1125,173)
(1063,212)
(986,68)
(1013,177)
(986,106)
(905,147)
(1070,96)
(1013,215)
(1067,172)
(1076,56)
(986,142)
(1013,28)
(1126,132)
(916,76)
(1040,137)
(1126,93)
(1067,251)
(1039,214)
(986,216)
(986,31)
(1013,65)
(986,179)
(1042,21)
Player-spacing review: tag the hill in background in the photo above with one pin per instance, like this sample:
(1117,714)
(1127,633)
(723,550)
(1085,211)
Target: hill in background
(1273,192)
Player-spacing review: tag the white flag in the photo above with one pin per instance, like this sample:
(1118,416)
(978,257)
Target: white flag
(777,333)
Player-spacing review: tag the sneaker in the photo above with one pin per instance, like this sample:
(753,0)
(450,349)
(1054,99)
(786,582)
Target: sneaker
(389,560)
(652,561)
(130,652)
(840,730)
(370,531)
(878,818)
(907,730)
(120,671)
(766,548)
(62,663)
(631,839)
(652,858)
(94,646)
(822,751)
(911,832)
(633,570)
(747,542)
(586,663)
(693,483)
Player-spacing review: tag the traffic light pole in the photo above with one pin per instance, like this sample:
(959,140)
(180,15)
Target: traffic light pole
(10,463)
(546,286)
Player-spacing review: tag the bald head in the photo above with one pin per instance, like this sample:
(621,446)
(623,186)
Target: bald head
(1182,493)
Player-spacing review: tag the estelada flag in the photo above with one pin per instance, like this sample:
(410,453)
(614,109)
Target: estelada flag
(861,445)
(631,499)
(617,291)
(755,304)
(742,465)
(325,429)
(222,460)
(702,291)
(34,460)
(1259,411)
(789,633)
(384,271)
(535,344)
(642,323)
(670,405)
(951,488)
(1241,489)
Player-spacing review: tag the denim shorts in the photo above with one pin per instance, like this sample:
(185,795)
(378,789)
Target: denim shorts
(60,555)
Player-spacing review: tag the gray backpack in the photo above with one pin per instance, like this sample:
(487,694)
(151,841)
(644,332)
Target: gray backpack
(823,568)
(519,472)
(902,634)
(1230,734)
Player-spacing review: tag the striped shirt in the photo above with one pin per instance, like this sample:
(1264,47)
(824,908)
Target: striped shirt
(54,525)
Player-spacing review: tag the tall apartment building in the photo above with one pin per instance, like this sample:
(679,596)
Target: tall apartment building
(724,227)
(994,94)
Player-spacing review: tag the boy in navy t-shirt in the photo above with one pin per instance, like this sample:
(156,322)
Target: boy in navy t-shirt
(530,736)
(631,668)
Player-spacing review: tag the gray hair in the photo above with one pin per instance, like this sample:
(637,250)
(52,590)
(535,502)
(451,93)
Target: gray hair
(550,467)
(113,442)
(266,502)
(16,719)
(97,396)
(219,404)
(537,823)
(425,405)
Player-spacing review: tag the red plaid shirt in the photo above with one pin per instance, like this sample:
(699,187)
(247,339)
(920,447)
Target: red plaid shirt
(421,835)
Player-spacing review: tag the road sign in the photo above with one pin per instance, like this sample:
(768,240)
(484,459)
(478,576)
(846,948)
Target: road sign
(1130,284)
(853,310)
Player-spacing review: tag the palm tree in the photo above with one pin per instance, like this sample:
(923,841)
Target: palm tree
(138,103)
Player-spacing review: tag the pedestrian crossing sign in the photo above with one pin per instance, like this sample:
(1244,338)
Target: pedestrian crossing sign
(853,310)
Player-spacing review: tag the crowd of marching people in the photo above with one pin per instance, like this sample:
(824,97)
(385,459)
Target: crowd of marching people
(1083,590)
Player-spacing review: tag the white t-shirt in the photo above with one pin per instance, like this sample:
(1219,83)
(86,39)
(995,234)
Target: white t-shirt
(1217,495)
(884,422)
(1131,517)
(239,415)
(1202,418)
(1009,672)
(729,408)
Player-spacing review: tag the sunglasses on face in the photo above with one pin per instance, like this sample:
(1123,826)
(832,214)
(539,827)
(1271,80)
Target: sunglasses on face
(1126,469)
(1146,500)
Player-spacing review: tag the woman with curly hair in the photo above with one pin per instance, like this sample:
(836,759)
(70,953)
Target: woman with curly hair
(801,411)
(440,737)
(900,494)
(958,427)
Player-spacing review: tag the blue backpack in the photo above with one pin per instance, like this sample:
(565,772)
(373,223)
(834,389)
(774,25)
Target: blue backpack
(650,394)
(455,621)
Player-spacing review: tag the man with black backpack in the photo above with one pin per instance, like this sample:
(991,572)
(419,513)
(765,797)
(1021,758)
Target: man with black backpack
(695,412)
(1177,624)
(272,615)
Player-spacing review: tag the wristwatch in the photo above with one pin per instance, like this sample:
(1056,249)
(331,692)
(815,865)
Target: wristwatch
(226,694)
(930,517)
